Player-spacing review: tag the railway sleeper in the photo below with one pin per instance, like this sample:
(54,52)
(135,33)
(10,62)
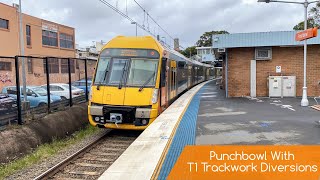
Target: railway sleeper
(104,154)
(98,159)
(88,173)
(91,165)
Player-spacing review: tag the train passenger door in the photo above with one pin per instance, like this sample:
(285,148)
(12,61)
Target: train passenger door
(189,75)
(173,81)
(164,82)
(194,75)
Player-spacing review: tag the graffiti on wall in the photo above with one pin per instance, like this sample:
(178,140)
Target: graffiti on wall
(37,75)
(4,78)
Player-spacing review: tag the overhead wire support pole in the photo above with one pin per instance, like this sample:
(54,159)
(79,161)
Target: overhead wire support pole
(21,37)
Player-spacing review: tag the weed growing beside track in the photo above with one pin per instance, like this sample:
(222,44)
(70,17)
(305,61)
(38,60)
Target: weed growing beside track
(45,151)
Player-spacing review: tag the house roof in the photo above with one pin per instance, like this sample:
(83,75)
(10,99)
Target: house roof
(259,39)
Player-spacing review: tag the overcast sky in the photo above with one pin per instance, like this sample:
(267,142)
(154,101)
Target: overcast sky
(185,19)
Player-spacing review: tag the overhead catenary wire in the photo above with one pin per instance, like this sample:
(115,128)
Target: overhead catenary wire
(148,15)
(143,27)
(126,16)
(153,20)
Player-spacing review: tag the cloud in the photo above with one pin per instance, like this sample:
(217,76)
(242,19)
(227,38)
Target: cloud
(186,19)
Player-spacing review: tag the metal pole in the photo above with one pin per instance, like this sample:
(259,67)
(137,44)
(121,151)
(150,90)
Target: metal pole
(16,63)
(136,29)
(70,90)
(21,37)
(86,77)
(304,100)
(48,84)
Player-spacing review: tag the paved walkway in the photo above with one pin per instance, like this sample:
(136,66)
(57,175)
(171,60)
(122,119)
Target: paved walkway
(254,121)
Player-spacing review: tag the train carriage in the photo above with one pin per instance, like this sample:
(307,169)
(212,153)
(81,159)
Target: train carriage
(136,79)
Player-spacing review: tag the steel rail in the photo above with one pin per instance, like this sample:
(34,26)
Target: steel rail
(60,166)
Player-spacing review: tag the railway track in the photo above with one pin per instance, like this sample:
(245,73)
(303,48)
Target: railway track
(91,161)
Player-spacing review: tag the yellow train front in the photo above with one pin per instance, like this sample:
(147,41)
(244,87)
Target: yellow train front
(136,79)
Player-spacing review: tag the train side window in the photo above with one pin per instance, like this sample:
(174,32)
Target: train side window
(163,72)
(181,64)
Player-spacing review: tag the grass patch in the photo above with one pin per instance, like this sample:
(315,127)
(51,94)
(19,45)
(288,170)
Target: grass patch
(45,151)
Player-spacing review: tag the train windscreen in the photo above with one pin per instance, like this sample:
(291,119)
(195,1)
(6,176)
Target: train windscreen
(132,67)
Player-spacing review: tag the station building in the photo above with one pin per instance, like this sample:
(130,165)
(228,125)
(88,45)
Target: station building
(252,59)
(42,38)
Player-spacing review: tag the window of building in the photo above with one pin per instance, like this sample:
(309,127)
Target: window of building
(49,38)
(4,23)
(66,41)
(64,66)
(28,35)
(30,69)
(53,66)
(264,53)
(5,66)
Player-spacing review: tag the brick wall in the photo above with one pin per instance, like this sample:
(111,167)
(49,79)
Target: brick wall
(289,58)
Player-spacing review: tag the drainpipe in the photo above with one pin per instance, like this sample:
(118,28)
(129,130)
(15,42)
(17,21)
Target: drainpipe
(226,73)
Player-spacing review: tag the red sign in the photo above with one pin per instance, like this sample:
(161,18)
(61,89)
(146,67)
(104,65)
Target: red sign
(307,34)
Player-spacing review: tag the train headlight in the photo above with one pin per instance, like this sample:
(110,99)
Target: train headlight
(155,96)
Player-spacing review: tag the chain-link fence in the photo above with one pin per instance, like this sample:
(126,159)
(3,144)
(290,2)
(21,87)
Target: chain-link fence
(32,87)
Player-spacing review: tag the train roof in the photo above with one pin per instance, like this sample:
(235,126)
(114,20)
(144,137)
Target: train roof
(151,43)
(180,57)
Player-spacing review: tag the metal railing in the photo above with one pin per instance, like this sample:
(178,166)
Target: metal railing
(72,75)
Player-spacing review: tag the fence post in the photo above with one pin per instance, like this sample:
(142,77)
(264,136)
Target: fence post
(16,62)
(70,90)
(86,77)
(48,84)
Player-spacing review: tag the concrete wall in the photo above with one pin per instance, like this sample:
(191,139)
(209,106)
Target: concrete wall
(289,58)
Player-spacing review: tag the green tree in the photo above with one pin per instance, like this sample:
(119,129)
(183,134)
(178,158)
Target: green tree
(310,24)
(313,18)
(206,39)
(189,51)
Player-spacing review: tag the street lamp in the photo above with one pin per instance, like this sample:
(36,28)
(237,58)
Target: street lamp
(304,100)
(136,27)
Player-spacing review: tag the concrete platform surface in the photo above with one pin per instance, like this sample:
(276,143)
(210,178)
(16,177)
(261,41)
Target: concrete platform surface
(254,120)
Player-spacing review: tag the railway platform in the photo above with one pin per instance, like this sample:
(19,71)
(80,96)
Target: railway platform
(203,115)
(153,153)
